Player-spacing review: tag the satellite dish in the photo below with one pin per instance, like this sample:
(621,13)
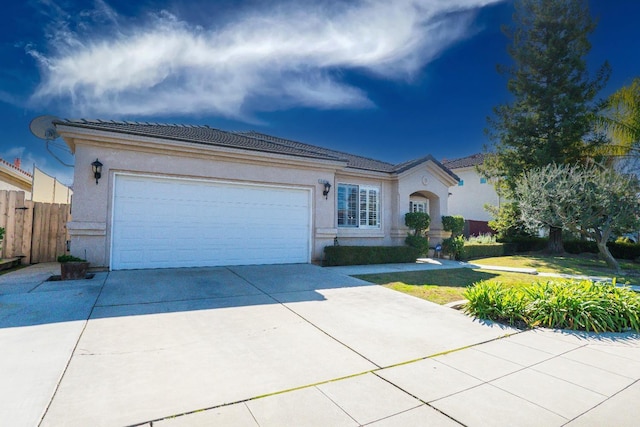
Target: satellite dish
(42,127)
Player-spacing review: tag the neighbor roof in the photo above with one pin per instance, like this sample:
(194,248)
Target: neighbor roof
(254,141)
(10,166)
(465,162)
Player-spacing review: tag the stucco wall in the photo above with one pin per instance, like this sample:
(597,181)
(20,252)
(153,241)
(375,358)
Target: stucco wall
(92,204)
(92,207)
(428,180)
(469,199)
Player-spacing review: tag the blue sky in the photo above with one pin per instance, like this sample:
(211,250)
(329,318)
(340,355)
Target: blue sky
(392,80)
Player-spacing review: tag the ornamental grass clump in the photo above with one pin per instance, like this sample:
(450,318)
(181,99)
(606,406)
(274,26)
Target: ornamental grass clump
(562,304)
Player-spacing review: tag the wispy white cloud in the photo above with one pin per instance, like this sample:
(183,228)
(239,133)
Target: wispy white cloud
(273,58)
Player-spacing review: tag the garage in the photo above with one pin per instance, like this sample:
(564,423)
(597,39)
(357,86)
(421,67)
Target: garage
(163,222)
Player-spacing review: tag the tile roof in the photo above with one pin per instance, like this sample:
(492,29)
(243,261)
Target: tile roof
(254,141)
(465,162)
(357,162)
(14,167)
(204,135)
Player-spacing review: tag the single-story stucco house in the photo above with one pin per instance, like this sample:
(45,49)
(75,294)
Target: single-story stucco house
(181,196)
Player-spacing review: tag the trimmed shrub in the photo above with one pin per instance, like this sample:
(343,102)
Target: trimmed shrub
(474,250)
(453,246)
(618,249)
(69,258)
(361,255)
(421,243)
(417,221)
(454,224)
(526,243)
(563,304)
(624,250)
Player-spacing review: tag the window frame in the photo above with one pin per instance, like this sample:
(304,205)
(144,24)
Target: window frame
(370,200)
(413,206)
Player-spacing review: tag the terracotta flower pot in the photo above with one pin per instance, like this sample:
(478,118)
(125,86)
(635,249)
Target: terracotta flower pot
(73,270)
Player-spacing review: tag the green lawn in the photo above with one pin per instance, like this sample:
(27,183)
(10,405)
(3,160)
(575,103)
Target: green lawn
(444,286)
(569,264)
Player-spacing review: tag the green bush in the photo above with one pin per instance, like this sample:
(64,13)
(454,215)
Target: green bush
(417,221)
(474,250)
(563,304)
(526,243)
(453,246)
(70,258)
(492,301)
(419,242)
(624,250)
(361,255)
(482,239)
(618,249)
(454,224)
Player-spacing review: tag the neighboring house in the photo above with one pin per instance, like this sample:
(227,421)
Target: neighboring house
(14,178)
(471,194)
(181,196)
(47,189)
(39,186)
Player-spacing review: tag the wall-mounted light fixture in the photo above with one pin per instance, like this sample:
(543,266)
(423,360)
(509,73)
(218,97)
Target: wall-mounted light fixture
(97,170)
(327,187)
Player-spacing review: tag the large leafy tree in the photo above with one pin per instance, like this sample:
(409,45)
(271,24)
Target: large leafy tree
(590,200)
(550,117)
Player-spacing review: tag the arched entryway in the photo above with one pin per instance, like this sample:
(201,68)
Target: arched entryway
(426,201)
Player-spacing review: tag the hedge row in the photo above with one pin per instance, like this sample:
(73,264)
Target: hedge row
(619,250)
(472,250)
(361,255)
(526,244)
(622,250)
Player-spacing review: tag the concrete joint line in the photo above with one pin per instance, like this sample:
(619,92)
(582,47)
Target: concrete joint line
(608,398)
(420,400)
(75,347)
(306,320)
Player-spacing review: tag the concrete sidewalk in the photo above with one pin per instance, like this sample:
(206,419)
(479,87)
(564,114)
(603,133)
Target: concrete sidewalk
(288,345)
(534,378)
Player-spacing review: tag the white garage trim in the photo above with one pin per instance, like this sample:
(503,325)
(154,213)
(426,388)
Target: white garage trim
(163,222)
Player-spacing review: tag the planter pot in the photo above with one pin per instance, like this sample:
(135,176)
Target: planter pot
(73,270)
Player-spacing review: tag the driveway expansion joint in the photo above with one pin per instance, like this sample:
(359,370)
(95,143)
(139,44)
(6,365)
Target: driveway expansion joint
(72,353)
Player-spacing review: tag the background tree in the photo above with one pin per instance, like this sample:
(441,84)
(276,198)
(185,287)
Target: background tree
(550,119)
(507,222)
(589,200)
(620,119)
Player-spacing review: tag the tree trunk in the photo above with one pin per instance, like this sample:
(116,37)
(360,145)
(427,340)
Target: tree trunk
(555,241)
(608,258)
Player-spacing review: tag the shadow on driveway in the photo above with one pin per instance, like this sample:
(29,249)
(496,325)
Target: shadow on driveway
(143,292)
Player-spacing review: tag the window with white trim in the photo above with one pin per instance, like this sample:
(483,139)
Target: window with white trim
(415,206)
(358,206)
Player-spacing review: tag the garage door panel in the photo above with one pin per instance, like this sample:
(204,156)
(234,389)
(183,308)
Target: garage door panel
(162,222)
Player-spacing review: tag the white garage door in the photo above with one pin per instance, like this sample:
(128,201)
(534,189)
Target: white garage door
(163,222)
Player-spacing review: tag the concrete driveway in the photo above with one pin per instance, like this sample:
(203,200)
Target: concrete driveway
(267,345)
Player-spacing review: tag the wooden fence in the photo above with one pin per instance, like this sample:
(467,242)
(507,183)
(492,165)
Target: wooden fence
(35,231)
